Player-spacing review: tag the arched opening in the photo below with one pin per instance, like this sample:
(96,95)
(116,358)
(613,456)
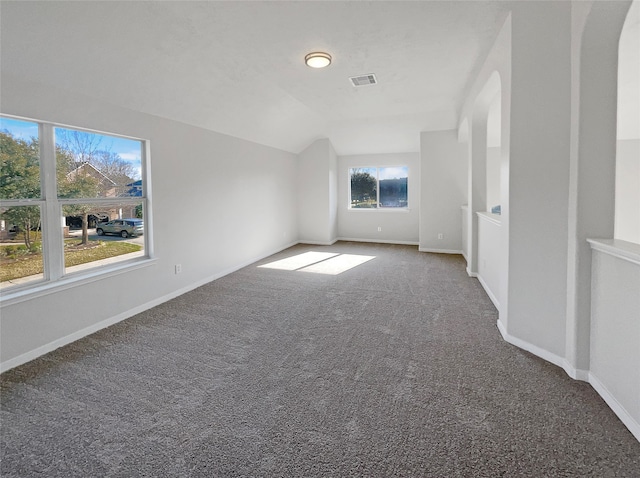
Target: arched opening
(494,121)
(485,196)
(627,195)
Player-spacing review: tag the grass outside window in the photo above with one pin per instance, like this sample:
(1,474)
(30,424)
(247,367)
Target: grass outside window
(17,263)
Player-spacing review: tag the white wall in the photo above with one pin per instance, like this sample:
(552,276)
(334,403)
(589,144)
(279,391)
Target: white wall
(539,173)
(489,254)
(317,217)
(615,328)
(333,194)
(399,226)
(218,203)
(493,177)
(464,212)
(627,223)
(444,189)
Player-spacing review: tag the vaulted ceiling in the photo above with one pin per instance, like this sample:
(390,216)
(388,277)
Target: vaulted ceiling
(237,67)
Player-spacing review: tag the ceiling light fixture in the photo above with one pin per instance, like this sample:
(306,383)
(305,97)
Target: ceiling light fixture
(317,59)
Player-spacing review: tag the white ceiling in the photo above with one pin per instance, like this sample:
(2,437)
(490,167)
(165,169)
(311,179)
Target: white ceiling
(237,67)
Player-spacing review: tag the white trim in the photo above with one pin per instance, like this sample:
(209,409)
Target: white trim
(379,241)
(11,297)
(317,243)
(471,274)
(628,251)
(544,354)
(439,251)
(490,217)
(51,346)
(534,349)
(624,416)
(575,373)
(489,292)
(378,209)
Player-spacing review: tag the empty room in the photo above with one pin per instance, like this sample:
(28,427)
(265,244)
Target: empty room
(320,238)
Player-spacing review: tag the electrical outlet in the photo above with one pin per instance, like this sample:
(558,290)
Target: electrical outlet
(178,268)
(379,229)
(440,236)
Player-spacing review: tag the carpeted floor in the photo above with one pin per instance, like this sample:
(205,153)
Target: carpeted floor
(392,368)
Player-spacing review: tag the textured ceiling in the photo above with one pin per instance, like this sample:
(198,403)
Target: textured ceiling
(237,67)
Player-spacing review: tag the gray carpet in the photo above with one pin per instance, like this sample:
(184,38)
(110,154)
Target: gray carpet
(393,368)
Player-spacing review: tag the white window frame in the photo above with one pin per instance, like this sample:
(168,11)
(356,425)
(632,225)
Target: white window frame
(377,208)
(54,276)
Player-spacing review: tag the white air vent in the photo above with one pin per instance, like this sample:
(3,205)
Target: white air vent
(364,80)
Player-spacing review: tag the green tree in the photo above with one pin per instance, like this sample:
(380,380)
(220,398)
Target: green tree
(363,186)
(20,179)
(74,183)
(19,168)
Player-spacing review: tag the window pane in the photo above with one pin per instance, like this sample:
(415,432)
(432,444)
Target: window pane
(100,234)
(393,186)
(363,187)
(19,160)
(91,165)
(21,249)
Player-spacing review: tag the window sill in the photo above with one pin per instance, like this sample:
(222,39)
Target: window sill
(384,209)
(41,289)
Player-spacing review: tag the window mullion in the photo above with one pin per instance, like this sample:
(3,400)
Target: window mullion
(377,188)
(52,244)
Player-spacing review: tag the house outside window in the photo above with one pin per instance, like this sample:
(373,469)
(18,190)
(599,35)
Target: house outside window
(57,185)
(378,187)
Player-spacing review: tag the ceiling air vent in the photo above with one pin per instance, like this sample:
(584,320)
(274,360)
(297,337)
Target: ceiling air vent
(364,80)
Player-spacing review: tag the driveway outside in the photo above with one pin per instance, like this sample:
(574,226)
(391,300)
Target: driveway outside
(94,237)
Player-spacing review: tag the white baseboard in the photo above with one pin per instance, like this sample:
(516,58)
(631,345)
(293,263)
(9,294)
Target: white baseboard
(489,292)
(378,241)
(534,349)
(576,374)
(624,416)
(439,251)
(79,334)
(584,375)
(471,274)
(318,243)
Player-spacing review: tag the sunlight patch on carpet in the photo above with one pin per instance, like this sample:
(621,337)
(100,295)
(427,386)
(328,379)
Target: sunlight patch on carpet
(338,265)
(319,262)
(301,260)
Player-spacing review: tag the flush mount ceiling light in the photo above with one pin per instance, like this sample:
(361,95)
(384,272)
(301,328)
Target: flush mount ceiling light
(317,59)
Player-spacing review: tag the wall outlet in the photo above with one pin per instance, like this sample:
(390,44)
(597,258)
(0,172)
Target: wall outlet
(178,268)
(440,236)
(379,229)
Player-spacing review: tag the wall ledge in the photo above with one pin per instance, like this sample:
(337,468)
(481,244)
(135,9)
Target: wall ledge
(628,251)
(490,217)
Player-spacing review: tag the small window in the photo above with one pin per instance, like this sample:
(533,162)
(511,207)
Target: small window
(378,187)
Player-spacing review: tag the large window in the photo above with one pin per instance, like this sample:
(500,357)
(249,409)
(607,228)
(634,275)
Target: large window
(72,200)
(378,188)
